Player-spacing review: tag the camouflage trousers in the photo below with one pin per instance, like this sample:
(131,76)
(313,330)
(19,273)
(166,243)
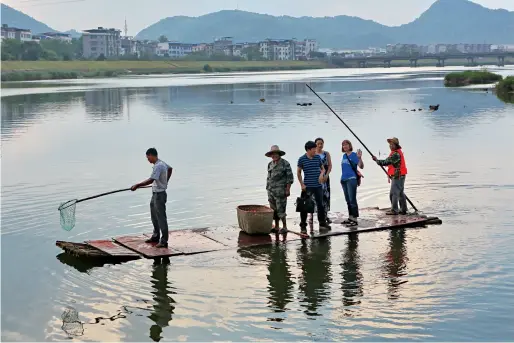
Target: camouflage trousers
(278,204)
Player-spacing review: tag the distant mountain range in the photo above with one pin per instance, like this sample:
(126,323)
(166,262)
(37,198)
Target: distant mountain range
(15,18)
(446,21)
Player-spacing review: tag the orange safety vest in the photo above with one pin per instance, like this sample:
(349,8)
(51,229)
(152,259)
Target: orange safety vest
(403,166)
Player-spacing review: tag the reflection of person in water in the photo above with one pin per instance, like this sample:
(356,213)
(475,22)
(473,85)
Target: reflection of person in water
(280,281)
(395,262)
(351,276)
(163,307)
(314,259)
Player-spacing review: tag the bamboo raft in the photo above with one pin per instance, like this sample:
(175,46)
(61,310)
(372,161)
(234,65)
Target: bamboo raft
(202,240)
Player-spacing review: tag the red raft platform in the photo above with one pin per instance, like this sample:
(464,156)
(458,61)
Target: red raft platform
(196,241)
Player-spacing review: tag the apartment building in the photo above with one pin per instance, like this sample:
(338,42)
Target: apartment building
(23,35)
(174,49)
(101,41)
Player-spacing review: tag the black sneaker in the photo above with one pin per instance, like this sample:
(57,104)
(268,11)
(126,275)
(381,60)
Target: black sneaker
(151,240)
(325,226)
(162,245)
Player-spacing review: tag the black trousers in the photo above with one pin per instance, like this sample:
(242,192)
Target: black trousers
(317,194)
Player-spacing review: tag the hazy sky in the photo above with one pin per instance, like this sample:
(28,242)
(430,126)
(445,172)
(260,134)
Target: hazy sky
(84,14)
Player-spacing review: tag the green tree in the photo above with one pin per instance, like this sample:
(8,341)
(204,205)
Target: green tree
(61,49)
(11,49)
(163,39)
(252,53)
(317,54)
(49,55)
(31,51)
(77,47)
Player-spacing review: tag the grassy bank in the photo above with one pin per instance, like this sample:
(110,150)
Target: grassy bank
(470,77)
(505,89)
(43,70)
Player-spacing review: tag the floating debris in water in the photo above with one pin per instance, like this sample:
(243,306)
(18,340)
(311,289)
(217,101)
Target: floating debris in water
(71,323)
(304,103)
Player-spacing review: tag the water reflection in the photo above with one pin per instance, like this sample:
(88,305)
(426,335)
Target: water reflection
(506,97)
(82,265)
(163,307)
(21,110)
(314,259)
(225,105)
(280,279)
(105,104)
(238,104)
(395,263)
(351,276)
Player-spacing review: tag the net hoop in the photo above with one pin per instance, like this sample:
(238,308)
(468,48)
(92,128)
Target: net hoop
(67,204)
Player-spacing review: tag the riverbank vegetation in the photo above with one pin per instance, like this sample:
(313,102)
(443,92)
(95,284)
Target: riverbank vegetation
(505,89)
(471,77)
(45,70)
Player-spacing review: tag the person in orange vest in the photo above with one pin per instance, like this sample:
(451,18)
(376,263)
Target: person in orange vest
(397,170)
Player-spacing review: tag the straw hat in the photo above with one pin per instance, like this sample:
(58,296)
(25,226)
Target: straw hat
(395,141)
(275,149)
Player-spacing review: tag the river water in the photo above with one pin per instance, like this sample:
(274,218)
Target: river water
(72,139)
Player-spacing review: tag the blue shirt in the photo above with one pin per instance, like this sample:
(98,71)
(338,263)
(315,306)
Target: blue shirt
(347,170)
(311,170)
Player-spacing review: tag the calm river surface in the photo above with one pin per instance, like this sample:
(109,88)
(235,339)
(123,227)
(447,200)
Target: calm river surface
(73,139)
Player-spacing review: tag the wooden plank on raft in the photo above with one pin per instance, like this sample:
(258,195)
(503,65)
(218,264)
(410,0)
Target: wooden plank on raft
(111,248)
(148,250)
(190,242)
(371,219)
(233,237)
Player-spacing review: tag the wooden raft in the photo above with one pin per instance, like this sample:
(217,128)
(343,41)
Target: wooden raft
(196,241)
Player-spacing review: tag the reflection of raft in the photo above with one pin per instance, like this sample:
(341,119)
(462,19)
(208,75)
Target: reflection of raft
(195,241)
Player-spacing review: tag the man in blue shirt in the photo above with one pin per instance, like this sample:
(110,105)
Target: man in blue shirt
(313,172)
(161,174)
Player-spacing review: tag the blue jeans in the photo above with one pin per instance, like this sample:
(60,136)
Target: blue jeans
(350,194)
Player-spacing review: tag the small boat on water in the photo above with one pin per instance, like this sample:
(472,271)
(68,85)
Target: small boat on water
(203,240)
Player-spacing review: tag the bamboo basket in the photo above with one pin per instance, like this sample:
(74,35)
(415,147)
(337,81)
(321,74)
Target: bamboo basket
(255,219)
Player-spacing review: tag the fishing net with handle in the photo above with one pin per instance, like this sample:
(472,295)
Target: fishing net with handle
(67,209)
(67,214)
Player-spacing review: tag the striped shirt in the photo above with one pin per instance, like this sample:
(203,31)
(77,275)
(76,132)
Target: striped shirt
(311,170)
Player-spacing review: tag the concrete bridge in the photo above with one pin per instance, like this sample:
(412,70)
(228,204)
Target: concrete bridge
(440,58)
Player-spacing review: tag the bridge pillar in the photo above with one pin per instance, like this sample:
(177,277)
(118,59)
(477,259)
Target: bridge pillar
(471,61)
(440,62)
(501,61)
(413,63)
(387,64)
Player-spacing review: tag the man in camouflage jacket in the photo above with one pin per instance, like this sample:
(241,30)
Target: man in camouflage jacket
(278,184)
